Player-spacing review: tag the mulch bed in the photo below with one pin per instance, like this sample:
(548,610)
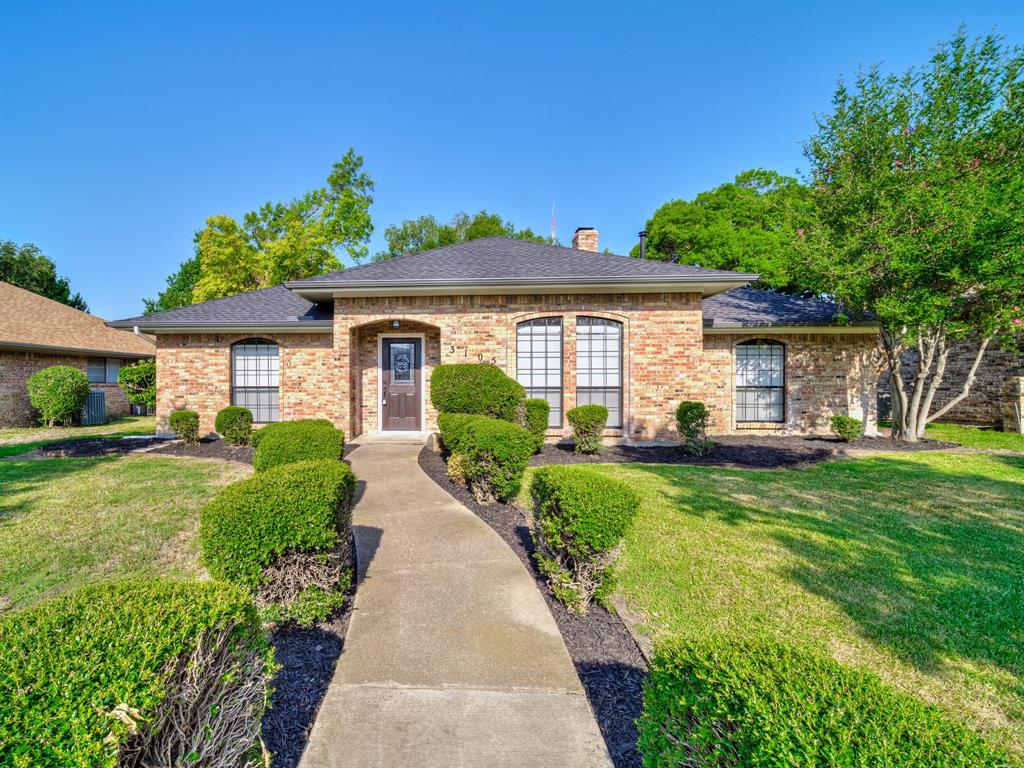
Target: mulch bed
(208,448)
(607,659)
(95,446)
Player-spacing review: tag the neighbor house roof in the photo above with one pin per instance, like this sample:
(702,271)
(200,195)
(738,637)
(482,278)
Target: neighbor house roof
(32,322)
(751,308)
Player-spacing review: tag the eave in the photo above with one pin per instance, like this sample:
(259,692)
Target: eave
(21,346)
(311,326)
(724,327)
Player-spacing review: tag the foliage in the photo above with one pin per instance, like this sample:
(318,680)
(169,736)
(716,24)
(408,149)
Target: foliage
(138,382)
(588,423)
(234,424)
(538,411)
(185,424)
(458,465)
(26,267)
(59,393)
(292,441)
(313,605)
(283,426)
(759,702)
(495,453)
(111,672)
(424,233)
(692,424)
(180,287)
(452,427)
(479,388)
(847,428)
(749,225)
(581,517)
(917,186)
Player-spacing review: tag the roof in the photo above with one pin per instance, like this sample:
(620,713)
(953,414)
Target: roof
(751,308)
(34,322)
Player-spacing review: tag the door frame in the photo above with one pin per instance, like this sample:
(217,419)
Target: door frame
(422,337)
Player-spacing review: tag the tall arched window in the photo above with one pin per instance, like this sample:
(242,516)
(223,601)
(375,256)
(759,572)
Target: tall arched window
(539,362)
(760,381)
(599,365)
(255,368)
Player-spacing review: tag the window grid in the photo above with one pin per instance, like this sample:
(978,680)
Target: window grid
(599,366)
(97,370)
(255,379)
(760,381)
(539,362)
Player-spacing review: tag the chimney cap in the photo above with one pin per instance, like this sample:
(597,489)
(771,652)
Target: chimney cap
(584,229)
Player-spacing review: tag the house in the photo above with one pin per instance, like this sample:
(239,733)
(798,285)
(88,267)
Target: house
(573,325)
(36,332)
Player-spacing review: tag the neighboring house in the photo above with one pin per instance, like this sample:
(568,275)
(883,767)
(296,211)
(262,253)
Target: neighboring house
(36,332)
(573,325)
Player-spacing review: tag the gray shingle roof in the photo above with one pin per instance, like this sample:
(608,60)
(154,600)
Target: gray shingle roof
(751,307)
(270,306)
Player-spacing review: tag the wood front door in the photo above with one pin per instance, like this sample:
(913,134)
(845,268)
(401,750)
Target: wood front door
(401,379)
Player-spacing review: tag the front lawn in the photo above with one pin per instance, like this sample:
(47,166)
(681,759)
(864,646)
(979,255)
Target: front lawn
(14,441)
(906,565)
(976,437)
(67,522)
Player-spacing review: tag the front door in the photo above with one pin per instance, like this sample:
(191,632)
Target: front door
(401,368)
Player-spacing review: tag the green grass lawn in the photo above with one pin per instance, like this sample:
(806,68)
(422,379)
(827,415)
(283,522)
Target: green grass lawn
(67,522)
(24,439)
(976,437)
(910,565)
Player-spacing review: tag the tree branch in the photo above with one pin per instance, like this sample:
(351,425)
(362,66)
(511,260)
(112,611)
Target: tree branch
(965,390)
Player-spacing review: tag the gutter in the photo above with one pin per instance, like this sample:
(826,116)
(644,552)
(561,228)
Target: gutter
(22,346)
(311,326)
(733,327)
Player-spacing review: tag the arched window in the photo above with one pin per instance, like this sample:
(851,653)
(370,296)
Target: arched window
(255,367)
(599,365)
(760,381)
(539,362)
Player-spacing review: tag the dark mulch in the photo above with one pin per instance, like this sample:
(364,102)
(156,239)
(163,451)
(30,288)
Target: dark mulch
(208,448)
(607,659)
(96,446)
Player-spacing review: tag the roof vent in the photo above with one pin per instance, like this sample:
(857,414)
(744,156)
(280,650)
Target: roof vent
(585,239)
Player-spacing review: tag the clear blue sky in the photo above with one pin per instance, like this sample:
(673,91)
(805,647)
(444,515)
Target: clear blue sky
(124,125)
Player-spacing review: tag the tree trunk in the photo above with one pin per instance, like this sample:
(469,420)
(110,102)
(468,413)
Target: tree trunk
(965,390)
(892,351)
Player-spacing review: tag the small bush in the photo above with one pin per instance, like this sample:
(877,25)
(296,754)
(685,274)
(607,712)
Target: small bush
(692,423)
(292,441)
(457,467)
(138,382)
(282,531)
(538,412)
(453,429)
(581,518)
(270,429)
(478,388)
(493,454)
(587,422)
(721,701)
(847,428)
(155,672)
(59,394)
(234,424)
(185,424)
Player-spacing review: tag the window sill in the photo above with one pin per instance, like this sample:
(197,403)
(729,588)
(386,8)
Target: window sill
(778,425)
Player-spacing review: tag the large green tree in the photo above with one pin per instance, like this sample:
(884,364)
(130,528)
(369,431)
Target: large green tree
(427,232)
(919,189)
(749,225)
(27,267)
(180,287)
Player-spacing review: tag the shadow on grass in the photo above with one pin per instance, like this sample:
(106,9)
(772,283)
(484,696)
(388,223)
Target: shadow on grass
(24,477)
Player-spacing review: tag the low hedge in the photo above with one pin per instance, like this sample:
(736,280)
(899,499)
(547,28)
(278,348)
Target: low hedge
(282,532)
(588,423)
(847,428)
(133,673)
(538,411)
(581,518)
(723,701)
(493,453)
(59,393)
(270,429)
(234,424)
(452,427)
(292,441)
(185,424)
(478,388)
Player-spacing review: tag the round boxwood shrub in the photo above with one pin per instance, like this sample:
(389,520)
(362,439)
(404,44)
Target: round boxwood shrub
(538,411)
(59,393)
(480,388)
(692,424)
(492,454)
(588,423)
(156,672)
(581,518)
(234,424)
(277,426)
(185,424)
(847,428)
(292,441)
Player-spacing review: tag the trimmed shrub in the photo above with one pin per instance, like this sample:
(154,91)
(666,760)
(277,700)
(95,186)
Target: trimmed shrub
(453,429)
(157,672)
(457,467)
(292,441)
(587,422)
(537,413)
(847,428)
(581,519)
(270,429)
(478,388)
(59,394)
(185,424)
(138,382)
(722,701)
(692,424)
(282,531)
(234,424)
(493,454)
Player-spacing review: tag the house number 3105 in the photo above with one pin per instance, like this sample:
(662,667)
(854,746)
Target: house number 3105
(452,349)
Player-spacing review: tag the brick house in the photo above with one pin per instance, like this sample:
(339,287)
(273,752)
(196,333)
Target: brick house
(36,332)
(573,325)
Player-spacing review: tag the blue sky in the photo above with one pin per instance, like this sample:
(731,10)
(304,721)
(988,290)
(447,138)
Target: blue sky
(124,125)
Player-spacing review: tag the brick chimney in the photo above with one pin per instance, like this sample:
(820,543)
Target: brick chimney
(585,239)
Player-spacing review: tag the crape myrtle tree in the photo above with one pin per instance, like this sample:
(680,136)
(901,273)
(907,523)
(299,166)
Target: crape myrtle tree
(426,232)
(918,186)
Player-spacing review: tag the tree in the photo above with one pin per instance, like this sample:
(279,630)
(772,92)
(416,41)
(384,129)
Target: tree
(919,193)
(27,267)
(424,233)
(138,382)
(180,287)
(748,225)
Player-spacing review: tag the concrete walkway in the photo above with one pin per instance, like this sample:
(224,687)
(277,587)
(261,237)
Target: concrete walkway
(452,657)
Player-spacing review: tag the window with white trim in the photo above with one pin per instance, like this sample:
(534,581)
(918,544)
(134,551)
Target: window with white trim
(599,365)
(255,378)
(760,381)
(539,362)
